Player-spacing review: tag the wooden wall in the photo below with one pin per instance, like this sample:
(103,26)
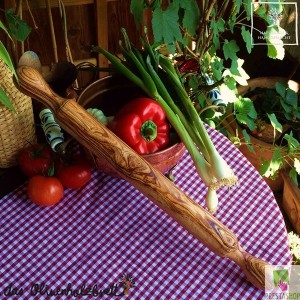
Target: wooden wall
(88,23)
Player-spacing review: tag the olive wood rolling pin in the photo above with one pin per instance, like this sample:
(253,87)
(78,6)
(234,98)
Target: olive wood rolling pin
(133,168)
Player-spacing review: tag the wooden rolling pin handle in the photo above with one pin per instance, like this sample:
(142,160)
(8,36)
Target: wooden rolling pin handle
(130,166)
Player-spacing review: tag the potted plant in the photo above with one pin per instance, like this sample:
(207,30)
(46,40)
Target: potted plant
(291,201)
(205,39)
(16,112)
(265,126)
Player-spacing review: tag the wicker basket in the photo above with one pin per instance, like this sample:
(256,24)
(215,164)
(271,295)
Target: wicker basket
(17,130)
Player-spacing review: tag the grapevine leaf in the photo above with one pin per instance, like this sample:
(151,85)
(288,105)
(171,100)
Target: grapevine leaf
(248,39)
(261,11)
(231,23)
(245,113)
(137,9)
(217,28)
(237,71)
(18,28)
(248,5)
(270,168)
(274,36)
(230,48)
(191,15)
(165,24)
(217,67)
(276,51)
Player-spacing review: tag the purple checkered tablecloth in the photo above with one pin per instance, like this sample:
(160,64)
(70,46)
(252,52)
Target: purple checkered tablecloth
(107,239)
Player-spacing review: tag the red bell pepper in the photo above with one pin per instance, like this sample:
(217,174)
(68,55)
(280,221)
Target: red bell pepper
(142,125)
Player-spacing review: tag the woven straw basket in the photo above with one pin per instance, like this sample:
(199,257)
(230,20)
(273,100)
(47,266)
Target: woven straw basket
(17,129)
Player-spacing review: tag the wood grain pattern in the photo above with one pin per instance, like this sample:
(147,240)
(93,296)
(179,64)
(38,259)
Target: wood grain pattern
(81,30)
(133,168)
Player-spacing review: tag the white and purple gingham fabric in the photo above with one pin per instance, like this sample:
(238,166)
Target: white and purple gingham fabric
(85,244)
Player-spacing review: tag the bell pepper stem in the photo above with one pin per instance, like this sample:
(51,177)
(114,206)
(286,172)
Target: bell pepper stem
(149,131)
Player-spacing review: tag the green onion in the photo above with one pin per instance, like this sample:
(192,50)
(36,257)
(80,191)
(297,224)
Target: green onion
(211,200)
(156,75)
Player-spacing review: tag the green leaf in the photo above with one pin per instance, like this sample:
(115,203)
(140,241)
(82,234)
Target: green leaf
(287,108)
(165,24)
(292,98)
(228,90)
(202,100)
(293,144)
(231,83)
(280,88)
(248,39)
(274,36)
(137,10)
(231,23)
(245,112)
(238,72)
(4,55)
(191,15)
(3,27)
(276,51)
(230,49)
(276,125)
(193,81)
(18,28)
(261,11)
(270,168)
(247,4)
(5,100)
(248,140)
(220,25)
(217,67)
(217,28)
(236,9)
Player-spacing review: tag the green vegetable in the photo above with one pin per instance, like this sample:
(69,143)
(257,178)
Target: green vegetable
(156,75)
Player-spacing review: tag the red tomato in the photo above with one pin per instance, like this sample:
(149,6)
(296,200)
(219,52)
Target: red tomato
(35,160)
(44,191)
(76,174)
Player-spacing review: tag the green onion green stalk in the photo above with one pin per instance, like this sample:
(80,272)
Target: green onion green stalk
(156,75)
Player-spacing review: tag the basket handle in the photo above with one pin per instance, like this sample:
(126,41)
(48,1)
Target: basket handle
(130,166)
